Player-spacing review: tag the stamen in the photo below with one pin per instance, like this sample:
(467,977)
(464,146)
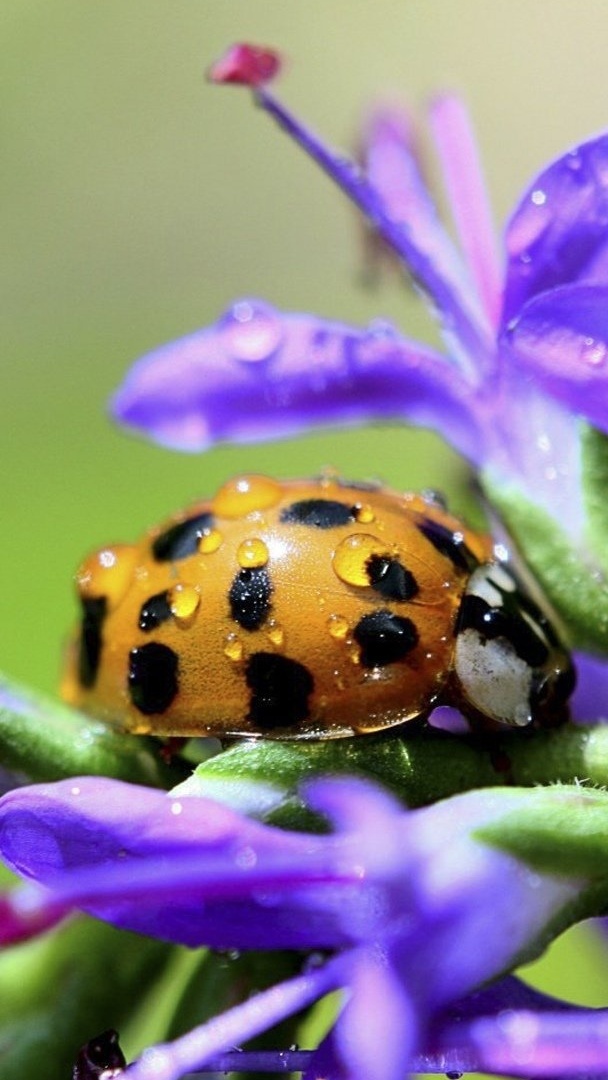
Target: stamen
(245,65)
(468,337)
(203,1044)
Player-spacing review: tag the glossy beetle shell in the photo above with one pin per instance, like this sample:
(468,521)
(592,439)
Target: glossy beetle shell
(299,609)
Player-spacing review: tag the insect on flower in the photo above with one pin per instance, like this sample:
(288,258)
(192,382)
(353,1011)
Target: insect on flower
(311,609)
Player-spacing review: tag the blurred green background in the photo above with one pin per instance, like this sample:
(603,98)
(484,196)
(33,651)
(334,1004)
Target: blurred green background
(137,201)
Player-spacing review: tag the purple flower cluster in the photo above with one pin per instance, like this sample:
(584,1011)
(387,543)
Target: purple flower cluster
(416,917)
(409,913)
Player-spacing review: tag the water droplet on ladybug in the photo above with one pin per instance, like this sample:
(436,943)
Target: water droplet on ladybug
(276,633)
(245,494)
(363,513)
(251,331)
(184,601)
(233,648)
(252,553)
(351,557)
(337,626)
(106,572)
(210,540)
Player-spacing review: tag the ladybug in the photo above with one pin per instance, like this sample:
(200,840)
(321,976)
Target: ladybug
(311,609)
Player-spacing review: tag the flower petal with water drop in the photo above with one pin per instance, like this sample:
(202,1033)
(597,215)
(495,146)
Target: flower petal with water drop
(258,373)
(561,337)
(558,233)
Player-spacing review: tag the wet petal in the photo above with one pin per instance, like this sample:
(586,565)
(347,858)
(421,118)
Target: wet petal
(468,198)
(590,698)
(561,337)
(467,339)
(529,1043)
(187,870)
(392,168)
(260,374)
(378,1029)
(194,1050)
(20,921)
(558,233)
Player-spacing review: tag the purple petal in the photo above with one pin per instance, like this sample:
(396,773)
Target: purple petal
(260,374)
(558,233)
(377,1031)
(524,1042)
(470,341)
(468,198)
(509,1027)
(590,698)
(20,921)
(147,862)
(392,168)
(561,337)
(260,1012)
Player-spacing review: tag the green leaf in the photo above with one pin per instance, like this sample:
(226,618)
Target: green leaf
(45,740)
(576,590)
(594,450)
(561,831)
(263,778)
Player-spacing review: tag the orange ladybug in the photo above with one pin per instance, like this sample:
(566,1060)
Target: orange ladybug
(310,609)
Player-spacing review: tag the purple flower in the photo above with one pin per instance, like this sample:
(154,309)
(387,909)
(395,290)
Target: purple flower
(519,358)
(524,361)
(413,910)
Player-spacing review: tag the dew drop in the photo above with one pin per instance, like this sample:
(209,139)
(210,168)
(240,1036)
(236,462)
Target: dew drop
(276,633)
(337,626)
(351,557)
(233,648)
(245,494)
(539,197)
(382,330)
(593,352)
(184,601)
(252,553)
(176,808)
(363,513)
(106,572)
(246,858)
(251,331)
(210,540)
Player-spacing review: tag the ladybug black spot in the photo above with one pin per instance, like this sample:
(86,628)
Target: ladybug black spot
(93,614)
(449,544)
(318,513)
(280,690)
(154,610)
(181,540)
(390,578)
(152,677)
(493,622)
(384,638)
(249,597)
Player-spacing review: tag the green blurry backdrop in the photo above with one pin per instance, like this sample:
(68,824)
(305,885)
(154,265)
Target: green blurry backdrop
(137,201)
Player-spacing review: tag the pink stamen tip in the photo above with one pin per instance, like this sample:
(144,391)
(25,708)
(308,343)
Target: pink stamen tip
(246,65)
